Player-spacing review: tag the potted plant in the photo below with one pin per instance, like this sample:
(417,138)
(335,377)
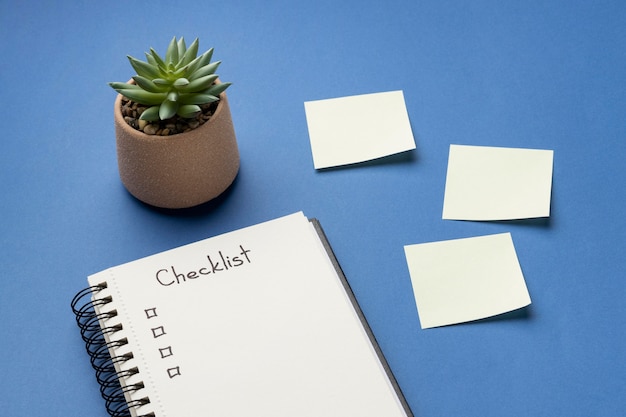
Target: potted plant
(176,144)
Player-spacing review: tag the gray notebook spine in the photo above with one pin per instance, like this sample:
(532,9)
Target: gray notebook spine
(346,285)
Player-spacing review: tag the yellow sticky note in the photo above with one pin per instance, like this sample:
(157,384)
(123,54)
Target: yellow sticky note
(359,128)
(492,183)
(461,280)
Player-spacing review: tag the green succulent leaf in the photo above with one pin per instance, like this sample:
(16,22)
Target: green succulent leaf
(171,55)
(188,111)
(143,97)
(117,86)
(157,58)
(172,96)
(205,58)
(144,69)
(181,82)
(149,85)
(150,59)
(200,61)
(193,98)
(191,53)
(151,114)
(182,48)
(217,89)
(168,109)
(162,82)
(199,84)
(205,70)
(180,72)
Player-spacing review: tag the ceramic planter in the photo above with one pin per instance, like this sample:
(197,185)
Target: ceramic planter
(182,170)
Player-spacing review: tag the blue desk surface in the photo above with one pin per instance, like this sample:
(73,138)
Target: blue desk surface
(533,74)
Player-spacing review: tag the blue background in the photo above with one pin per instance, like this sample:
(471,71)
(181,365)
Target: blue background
(534,74)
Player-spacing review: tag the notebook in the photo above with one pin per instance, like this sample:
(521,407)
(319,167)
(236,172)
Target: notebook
(256,322)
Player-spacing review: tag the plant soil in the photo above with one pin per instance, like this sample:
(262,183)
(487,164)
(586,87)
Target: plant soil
(172,126)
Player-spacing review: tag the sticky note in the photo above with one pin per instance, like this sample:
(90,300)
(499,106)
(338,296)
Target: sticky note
(491,183)
(462,280)
(359,128)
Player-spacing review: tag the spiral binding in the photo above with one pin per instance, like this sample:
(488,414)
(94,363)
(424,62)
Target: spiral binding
(84,306)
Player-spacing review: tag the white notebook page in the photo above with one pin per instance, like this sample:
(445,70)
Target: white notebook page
(253,322)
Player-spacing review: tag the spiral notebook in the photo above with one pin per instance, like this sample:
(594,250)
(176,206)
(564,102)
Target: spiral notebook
(257,322)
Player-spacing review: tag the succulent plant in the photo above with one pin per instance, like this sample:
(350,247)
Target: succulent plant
(175,85)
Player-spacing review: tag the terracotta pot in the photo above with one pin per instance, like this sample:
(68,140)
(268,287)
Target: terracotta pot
(182,170)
